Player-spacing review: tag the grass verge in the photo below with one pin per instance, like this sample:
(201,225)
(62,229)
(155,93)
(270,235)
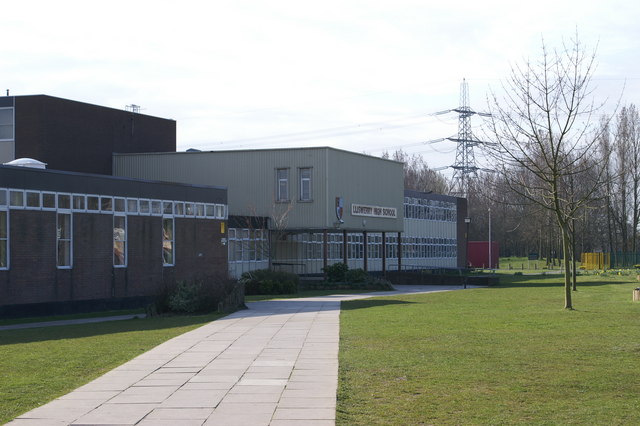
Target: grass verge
(502,355)
(40,364)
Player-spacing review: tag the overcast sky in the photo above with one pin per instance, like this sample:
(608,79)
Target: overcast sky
(357,75)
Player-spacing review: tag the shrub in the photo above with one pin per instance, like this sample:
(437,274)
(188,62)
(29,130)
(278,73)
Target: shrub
(336,272)
(266,281)
(186,297)
(205,294)
(356,276)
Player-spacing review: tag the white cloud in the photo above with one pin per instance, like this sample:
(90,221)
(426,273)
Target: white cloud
(230,70)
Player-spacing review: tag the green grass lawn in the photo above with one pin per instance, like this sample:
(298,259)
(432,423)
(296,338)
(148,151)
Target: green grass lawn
(502,355)
(40,364)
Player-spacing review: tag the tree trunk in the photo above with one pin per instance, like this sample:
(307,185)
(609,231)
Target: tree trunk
(566,244)
(574,270)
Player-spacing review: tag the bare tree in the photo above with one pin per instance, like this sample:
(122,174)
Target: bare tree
(418,175)
(542,129)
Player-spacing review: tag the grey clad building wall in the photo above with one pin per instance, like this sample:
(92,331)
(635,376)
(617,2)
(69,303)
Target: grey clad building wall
(252,181)
(381,227)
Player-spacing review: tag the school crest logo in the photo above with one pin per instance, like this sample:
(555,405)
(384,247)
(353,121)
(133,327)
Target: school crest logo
(339,208)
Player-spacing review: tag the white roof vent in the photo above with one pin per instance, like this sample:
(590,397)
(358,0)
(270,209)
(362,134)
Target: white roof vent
(27,162)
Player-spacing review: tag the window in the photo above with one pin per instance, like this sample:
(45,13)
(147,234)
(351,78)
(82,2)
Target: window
(64,201)
(48,201)
(119,205)
(4,240)
(282,185)
(64,240)
(33,200)
(16,199)
(132,206)
(210,210)
(93,203)
(246,245)
(168,248)
(6,124)
(167,207)
(144,207)
(106,204)
(305,184)
(119,240)
(156,207)
(79,202)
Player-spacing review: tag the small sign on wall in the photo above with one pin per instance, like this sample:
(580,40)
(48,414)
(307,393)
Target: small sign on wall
(374,211)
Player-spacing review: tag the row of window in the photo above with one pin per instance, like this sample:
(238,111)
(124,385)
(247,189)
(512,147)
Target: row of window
(65,204)
(64,240)
(252,245)
(283,184)
(418,208)
(246,245)
(42,200)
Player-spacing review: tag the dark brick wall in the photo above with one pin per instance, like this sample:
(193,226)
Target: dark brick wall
(198,248)
(144,273)
(80,137)
(33,260)
(34,279)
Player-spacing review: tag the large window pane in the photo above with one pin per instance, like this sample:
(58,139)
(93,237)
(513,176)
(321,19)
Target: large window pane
(64,240)
(167,242)
(282,182)
(305,184)
(4,240)
(119,241)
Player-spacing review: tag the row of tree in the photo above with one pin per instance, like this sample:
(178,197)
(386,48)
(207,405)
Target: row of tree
(565,178)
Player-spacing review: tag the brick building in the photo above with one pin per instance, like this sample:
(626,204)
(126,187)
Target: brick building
(71,241)
(76,136)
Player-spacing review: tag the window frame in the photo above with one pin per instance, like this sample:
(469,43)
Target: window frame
(282,196)
(6,240)
(62,213)
(169,240)
(305,182)
(124,241)
(12,124)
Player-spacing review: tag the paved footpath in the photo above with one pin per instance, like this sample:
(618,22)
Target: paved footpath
(275,363)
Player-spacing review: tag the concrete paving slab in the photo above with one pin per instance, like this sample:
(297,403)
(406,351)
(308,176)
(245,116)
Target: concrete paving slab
(305,414)
(321,402)
(144,395)
(181,422)
(302,423)
(37,422)
(115,414)
(275,363)
(194,399)
(179,414)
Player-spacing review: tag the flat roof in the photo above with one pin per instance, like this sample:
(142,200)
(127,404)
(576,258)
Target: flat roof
(73,182)
(257,150)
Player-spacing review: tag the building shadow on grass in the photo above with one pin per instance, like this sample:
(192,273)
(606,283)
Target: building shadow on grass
(534,281)
(79,331)
(371,303)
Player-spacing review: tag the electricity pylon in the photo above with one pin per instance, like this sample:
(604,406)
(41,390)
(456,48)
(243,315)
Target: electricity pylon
(465,164)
